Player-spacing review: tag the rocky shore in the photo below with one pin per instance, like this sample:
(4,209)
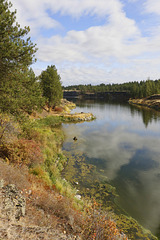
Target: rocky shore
(152,101)
(64,112)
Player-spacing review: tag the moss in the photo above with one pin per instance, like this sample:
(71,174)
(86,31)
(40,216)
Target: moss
(131,227)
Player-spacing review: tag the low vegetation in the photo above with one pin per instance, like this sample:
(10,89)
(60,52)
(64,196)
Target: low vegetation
(33,160)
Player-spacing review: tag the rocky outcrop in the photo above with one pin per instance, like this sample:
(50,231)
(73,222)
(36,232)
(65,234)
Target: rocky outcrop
(12,219)
(78,117)
(19,232)
(12,202)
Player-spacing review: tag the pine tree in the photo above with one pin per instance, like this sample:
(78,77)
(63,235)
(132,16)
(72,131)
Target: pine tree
(51,86)
(21,93)
(18,92)
(16,52)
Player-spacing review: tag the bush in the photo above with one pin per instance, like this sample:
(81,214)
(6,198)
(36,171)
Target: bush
(58,109)
(9,130)
(22,151)
(41,173)
(14,175)
(100,226)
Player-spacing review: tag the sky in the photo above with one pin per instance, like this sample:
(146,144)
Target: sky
(94,41)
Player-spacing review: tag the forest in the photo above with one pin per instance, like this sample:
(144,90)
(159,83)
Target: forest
(135,89)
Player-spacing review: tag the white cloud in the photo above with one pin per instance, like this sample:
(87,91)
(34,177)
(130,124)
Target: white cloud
(152,6)
(99,42)
(38,9)
(139,69)
(118,45)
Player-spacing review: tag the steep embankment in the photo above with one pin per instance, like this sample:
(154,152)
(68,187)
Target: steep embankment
(151,102)
(35,201)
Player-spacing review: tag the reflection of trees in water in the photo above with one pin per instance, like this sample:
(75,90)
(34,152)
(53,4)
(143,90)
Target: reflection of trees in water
(90,103)
(148,115)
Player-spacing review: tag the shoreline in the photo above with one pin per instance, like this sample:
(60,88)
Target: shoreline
(152,101)
(124,221)
(47,180)
(63,112)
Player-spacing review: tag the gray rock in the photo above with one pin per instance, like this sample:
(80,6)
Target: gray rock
(14,203)
(78,196)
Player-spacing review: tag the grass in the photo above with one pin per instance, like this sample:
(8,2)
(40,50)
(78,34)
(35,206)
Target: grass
(50,198)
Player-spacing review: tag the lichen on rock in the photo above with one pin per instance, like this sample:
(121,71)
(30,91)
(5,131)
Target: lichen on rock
(13,204)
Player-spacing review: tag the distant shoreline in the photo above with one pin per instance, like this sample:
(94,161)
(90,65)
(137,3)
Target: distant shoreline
(151,102)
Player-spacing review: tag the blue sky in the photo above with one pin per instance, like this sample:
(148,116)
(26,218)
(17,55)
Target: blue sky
(94,41)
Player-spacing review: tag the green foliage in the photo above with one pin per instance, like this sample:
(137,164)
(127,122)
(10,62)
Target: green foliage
(51,86)
(50,121)
(19,89)
(134,89)
(40,172)
(21,93)
(16,50)
(65,188)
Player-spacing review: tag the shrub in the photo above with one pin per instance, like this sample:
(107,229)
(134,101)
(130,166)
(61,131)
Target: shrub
(58,109)
(100,226)
(13,175)
(22,151)
(41,173)
(9,129)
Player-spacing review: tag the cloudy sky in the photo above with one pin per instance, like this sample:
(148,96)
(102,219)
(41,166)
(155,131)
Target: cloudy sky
(94,41)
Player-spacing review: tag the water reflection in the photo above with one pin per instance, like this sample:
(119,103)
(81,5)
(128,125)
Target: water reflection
(148,115)
(127,150)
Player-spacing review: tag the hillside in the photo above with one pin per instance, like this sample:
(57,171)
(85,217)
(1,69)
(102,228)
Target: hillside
(35,201)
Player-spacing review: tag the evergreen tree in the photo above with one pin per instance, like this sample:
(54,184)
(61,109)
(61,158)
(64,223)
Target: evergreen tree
(16,52)
(19,89)
(22,93)
(51,86)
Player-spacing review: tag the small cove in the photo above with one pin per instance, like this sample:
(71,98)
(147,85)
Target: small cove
(123,146)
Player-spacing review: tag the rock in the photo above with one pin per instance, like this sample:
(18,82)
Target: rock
(78,197)
(14,204)
(12,208)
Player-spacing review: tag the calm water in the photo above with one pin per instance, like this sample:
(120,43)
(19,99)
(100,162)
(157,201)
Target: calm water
(124,144)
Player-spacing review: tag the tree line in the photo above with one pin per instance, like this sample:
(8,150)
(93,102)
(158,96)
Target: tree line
(20,90)
(135,89)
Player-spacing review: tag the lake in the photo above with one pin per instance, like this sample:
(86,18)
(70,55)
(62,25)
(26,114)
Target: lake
(123,144)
